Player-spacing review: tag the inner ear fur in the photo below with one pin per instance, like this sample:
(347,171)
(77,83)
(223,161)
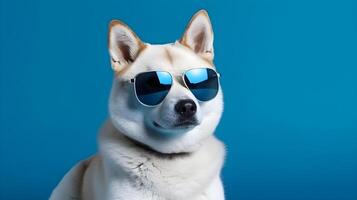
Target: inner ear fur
(124,45)
(198,35)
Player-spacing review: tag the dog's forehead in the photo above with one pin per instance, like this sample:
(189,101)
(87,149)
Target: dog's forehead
(172,58)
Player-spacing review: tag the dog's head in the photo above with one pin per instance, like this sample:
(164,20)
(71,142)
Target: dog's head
(180,123)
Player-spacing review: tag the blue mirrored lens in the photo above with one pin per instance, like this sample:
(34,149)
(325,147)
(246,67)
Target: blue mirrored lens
(152,87)
(203,83)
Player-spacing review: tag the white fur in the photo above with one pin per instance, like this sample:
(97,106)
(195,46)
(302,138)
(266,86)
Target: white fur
(135,122)
(137,160)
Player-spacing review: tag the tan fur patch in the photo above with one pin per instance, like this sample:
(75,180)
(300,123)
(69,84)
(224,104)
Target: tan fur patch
(199,39)
(120,23)
(199,42)
(169,56)
(116,66)
(183,39)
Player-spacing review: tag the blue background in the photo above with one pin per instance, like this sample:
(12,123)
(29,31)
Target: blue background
(289,76)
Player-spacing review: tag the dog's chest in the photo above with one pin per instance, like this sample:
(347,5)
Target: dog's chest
(150,179)
(179,177)
(174,179)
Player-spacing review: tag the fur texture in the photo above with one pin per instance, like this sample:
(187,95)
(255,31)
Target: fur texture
(138,159)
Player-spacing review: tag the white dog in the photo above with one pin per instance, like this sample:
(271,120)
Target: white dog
(161,147)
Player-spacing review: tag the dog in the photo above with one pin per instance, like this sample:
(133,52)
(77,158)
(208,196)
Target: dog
(156,148)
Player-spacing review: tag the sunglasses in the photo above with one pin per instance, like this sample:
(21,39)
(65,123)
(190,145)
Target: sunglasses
(152,87)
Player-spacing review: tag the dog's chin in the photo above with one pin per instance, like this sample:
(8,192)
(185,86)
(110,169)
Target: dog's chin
(176,139)
(175,136)
(174,129)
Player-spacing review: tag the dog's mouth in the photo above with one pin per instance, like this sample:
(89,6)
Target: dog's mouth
(186,124)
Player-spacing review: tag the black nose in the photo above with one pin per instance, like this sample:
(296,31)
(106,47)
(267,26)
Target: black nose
(186,108)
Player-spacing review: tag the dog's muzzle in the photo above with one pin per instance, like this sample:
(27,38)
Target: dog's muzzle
(186,109)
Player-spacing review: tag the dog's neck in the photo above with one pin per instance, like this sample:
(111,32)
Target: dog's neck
(155,153)
(190,172)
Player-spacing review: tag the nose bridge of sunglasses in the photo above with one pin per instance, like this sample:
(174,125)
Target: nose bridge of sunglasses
(179,79)
(180,89)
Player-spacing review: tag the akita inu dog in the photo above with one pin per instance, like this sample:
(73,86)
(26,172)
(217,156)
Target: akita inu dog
(164,106)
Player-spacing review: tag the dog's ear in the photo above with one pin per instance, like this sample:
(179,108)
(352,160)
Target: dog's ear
(124,45)
(198,35)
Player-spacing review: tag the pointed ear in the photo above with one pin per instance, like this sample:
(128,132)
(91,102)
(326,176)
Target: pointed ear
(199,35)
(124,45)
